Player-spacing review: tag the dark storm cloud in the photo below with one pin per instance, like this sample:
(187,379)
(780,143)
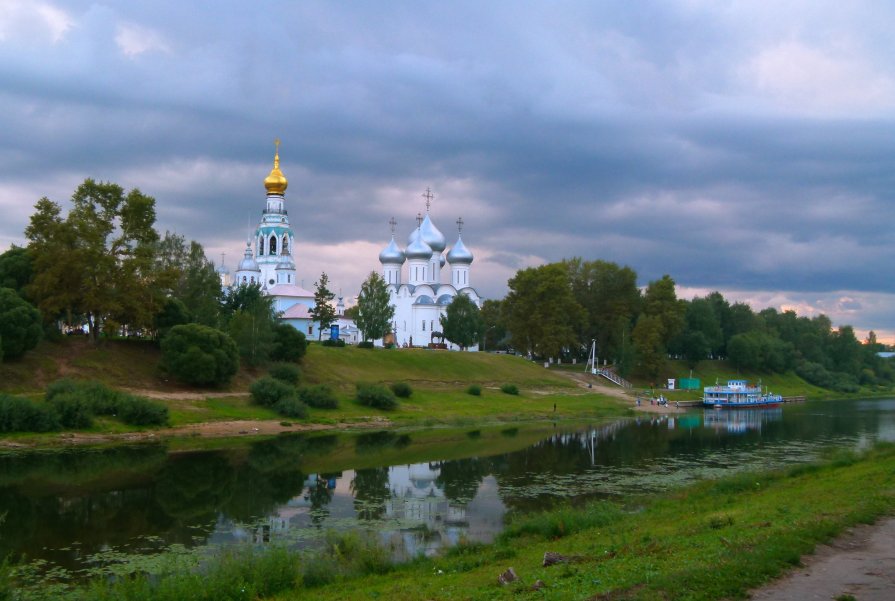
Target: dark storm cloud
(737,145)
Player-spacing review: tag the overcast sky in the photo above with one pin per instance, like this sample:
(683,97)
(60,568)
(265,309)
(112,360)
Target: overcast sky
(747,147)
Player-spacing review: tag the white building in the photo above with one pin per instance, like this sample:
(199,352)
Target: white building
(422,299)
(268,259)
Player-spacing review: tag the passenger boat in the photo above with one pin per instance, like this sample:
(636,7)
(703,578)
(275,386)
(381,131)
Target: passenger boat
(738,394)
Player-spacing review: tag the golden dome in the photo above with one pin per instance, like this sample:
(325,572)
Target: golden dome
(276,182)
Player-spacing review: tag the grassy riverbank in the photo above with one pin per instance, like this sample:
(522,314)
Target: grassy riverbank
(439,379)
(713,540)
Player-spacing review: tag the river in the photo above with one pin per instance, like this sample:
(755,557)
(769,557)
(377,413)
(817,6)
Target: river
(73,513)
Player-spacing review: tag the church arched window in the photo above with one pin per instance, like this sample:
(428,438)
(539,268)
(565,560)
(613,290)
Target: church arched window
(260,247)
(424,325)
(272,250)
(284,247)
(243,279)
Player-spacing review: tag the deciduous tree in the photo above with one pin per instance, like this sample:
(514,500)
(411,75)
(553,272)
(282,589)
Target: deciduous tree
(541,312)
(374,308)
(462,322)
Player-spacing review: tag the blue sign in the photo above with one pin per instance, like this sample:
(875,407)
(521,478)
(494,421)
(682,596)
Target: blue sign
(334,332)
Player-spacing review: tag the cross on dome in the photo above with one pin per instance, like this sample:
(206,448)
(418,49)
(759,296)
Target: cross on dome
(460,225)
(428,196)
(393,225)
(419,219)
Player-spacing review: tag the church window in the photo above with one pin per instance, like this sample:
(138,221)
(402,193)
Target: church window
(243,279)
(424,325)
(432,325)
(285,246)
(271,282)
(310,330)
(260,247)
(272,250)
(253,280)
(289,278)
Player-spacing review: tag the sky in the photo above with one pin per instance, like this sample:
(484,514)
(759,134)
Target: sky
(746,147)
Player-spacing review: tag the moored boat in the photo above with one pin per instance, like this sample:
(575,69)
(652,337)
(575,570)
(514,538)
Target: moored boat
(737,394)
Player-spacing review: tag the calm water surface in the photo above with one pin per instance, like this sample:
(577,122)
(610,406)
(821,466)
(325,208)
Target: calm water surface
(78,512)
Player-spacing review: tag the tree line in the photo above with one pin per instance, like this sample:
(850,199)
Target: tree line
(557,310)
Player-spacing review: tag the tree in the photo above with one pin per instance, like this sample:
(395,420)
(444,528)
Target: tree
(288,343)
(609,295)
(15,269)
(647,339)
(660,301)
(495,332)
(541,312)
(462,323)
(199,355)
(694,347)
(374,308)
(99,260)
(323,311)
(248,316)
(20,325)
(173,313)
(185,273)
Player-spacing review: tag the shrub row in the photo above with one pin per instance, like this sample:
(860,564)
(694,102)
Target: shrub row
(77,402)
(71,404)
(338,342)
(289,400)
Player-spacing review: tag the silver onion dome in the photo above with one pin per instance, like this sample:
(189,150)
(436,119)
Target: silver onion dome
(286,264)
(418,250)
(391,254)
(459,254)
(248,261)
(431,236)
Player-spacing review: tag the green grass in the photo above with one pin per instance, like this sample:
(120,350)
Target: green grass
(712,540)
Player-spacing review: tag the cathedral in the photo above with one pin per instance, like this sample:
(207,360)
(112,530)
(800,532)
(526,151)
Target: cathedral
(423,299)
(269,261)
(419,302)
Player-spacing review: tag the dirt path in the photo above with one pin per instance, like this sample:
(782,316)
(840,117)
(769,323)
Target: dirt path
(861,564)
(601,386)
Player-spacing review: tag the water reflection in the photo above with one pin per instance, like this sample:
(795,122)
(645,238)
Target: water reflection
(738,421)
(77,509)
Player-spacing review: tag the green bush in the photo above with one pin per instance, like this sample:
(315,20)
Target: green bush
(509,389)
(377,396)
(268,391)
(474,390)
(338,342)
(73,409)
(402,390)
(21,415)
(99,399)
(285,372)
(365,344)
(319,396)
(289,344)
(291,406)
(138,411)
(199,355)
